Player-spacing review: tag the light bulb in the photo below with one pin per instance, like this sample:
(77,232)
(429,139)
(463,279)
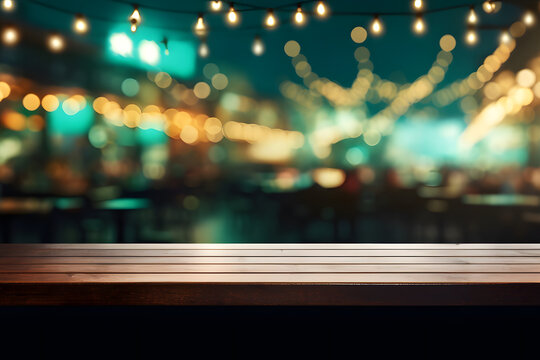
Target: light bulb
(528,18)
(10,36)
(270,20)
(232,16)
(215,5)
(321,9)
(258,46)
(471,37)
(165,42)
(204,50)
(135,19)
(419,25)
(488,6)
(472,18)
(80,25)
(505,37)
(200,27)
(418,4)
(299,16)
(8,5)
(56,43)
(376,25)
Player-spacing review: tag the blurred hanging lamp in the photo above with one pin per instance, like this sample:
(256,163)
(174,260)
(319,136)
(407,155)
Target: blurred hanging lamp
(8,5)
(299,15)
(258,46)
(80,25)
(203,50)
(418,5)
(232,16)
(419,25)
(215,5)
(270,20)
(135,19)
(200,27)
(472,18)
(321,9)
(376,25)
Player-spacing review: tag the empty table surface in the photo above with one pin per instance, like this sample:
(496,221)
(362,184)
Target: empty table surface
(270,274)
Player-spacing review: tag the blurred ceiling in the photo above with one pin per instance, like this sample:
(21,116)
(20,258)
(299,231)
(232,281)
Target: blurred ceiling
(398,54)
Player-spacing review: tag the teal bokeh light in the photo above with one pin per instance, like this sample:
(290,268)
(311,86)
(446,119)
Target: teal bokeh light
(149,137)
(61,123)
(124,47)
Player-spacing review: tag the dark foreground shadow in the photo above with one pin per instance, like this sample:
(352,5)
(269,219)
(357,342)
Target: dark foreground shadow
(269,332)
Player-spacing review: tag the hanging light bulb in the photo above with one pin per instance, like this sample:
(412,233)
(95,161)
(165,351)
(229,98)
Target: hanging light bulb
(529,18)
(505,37)
(215,5)
(56,43)
(258,46)
(472,18)
(165,42)
(299,15)
(232,16)
(419,26)
(321,9)
(204,50)
(471,37)
(376,25)
(200,27)
(418,4)
(80,25)
(135,19)
(10,36)
(488,6)
(270,20)
(8,5)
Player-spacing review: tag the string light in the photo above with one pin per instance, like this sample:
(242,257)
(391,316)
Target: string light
(200,27)
(488,6)
(528,18)
(232,16)
(80,25)
(270,20)
(56,43)
(204,50)
(8,5)
(299,15)
(321,9)
(135,19)
(505,37)
(10,36)
(419,25)
(258,46)
(471,37)
(472,18)
(215,5)
(376,25)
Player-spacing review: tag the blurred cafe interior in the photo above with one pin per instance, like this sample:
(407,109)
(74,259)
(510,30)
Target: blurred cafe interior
(269,121)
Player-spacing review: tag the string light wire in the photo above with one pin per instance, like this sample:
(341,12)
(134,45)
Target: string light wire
(290,7)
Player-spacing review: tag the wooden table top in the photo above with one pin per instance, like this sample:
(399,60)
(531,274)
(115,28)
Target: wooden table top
(270,274)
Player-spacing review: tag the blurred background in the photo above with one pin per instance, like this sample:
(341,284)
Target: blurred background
(269,121)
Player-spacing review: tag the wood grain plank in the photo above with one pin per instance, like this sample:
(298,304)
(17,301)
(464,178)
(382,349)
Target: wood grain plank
(271,252)
(266,268)
(269,260)
(293,279)
(226,294)
(270,274)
